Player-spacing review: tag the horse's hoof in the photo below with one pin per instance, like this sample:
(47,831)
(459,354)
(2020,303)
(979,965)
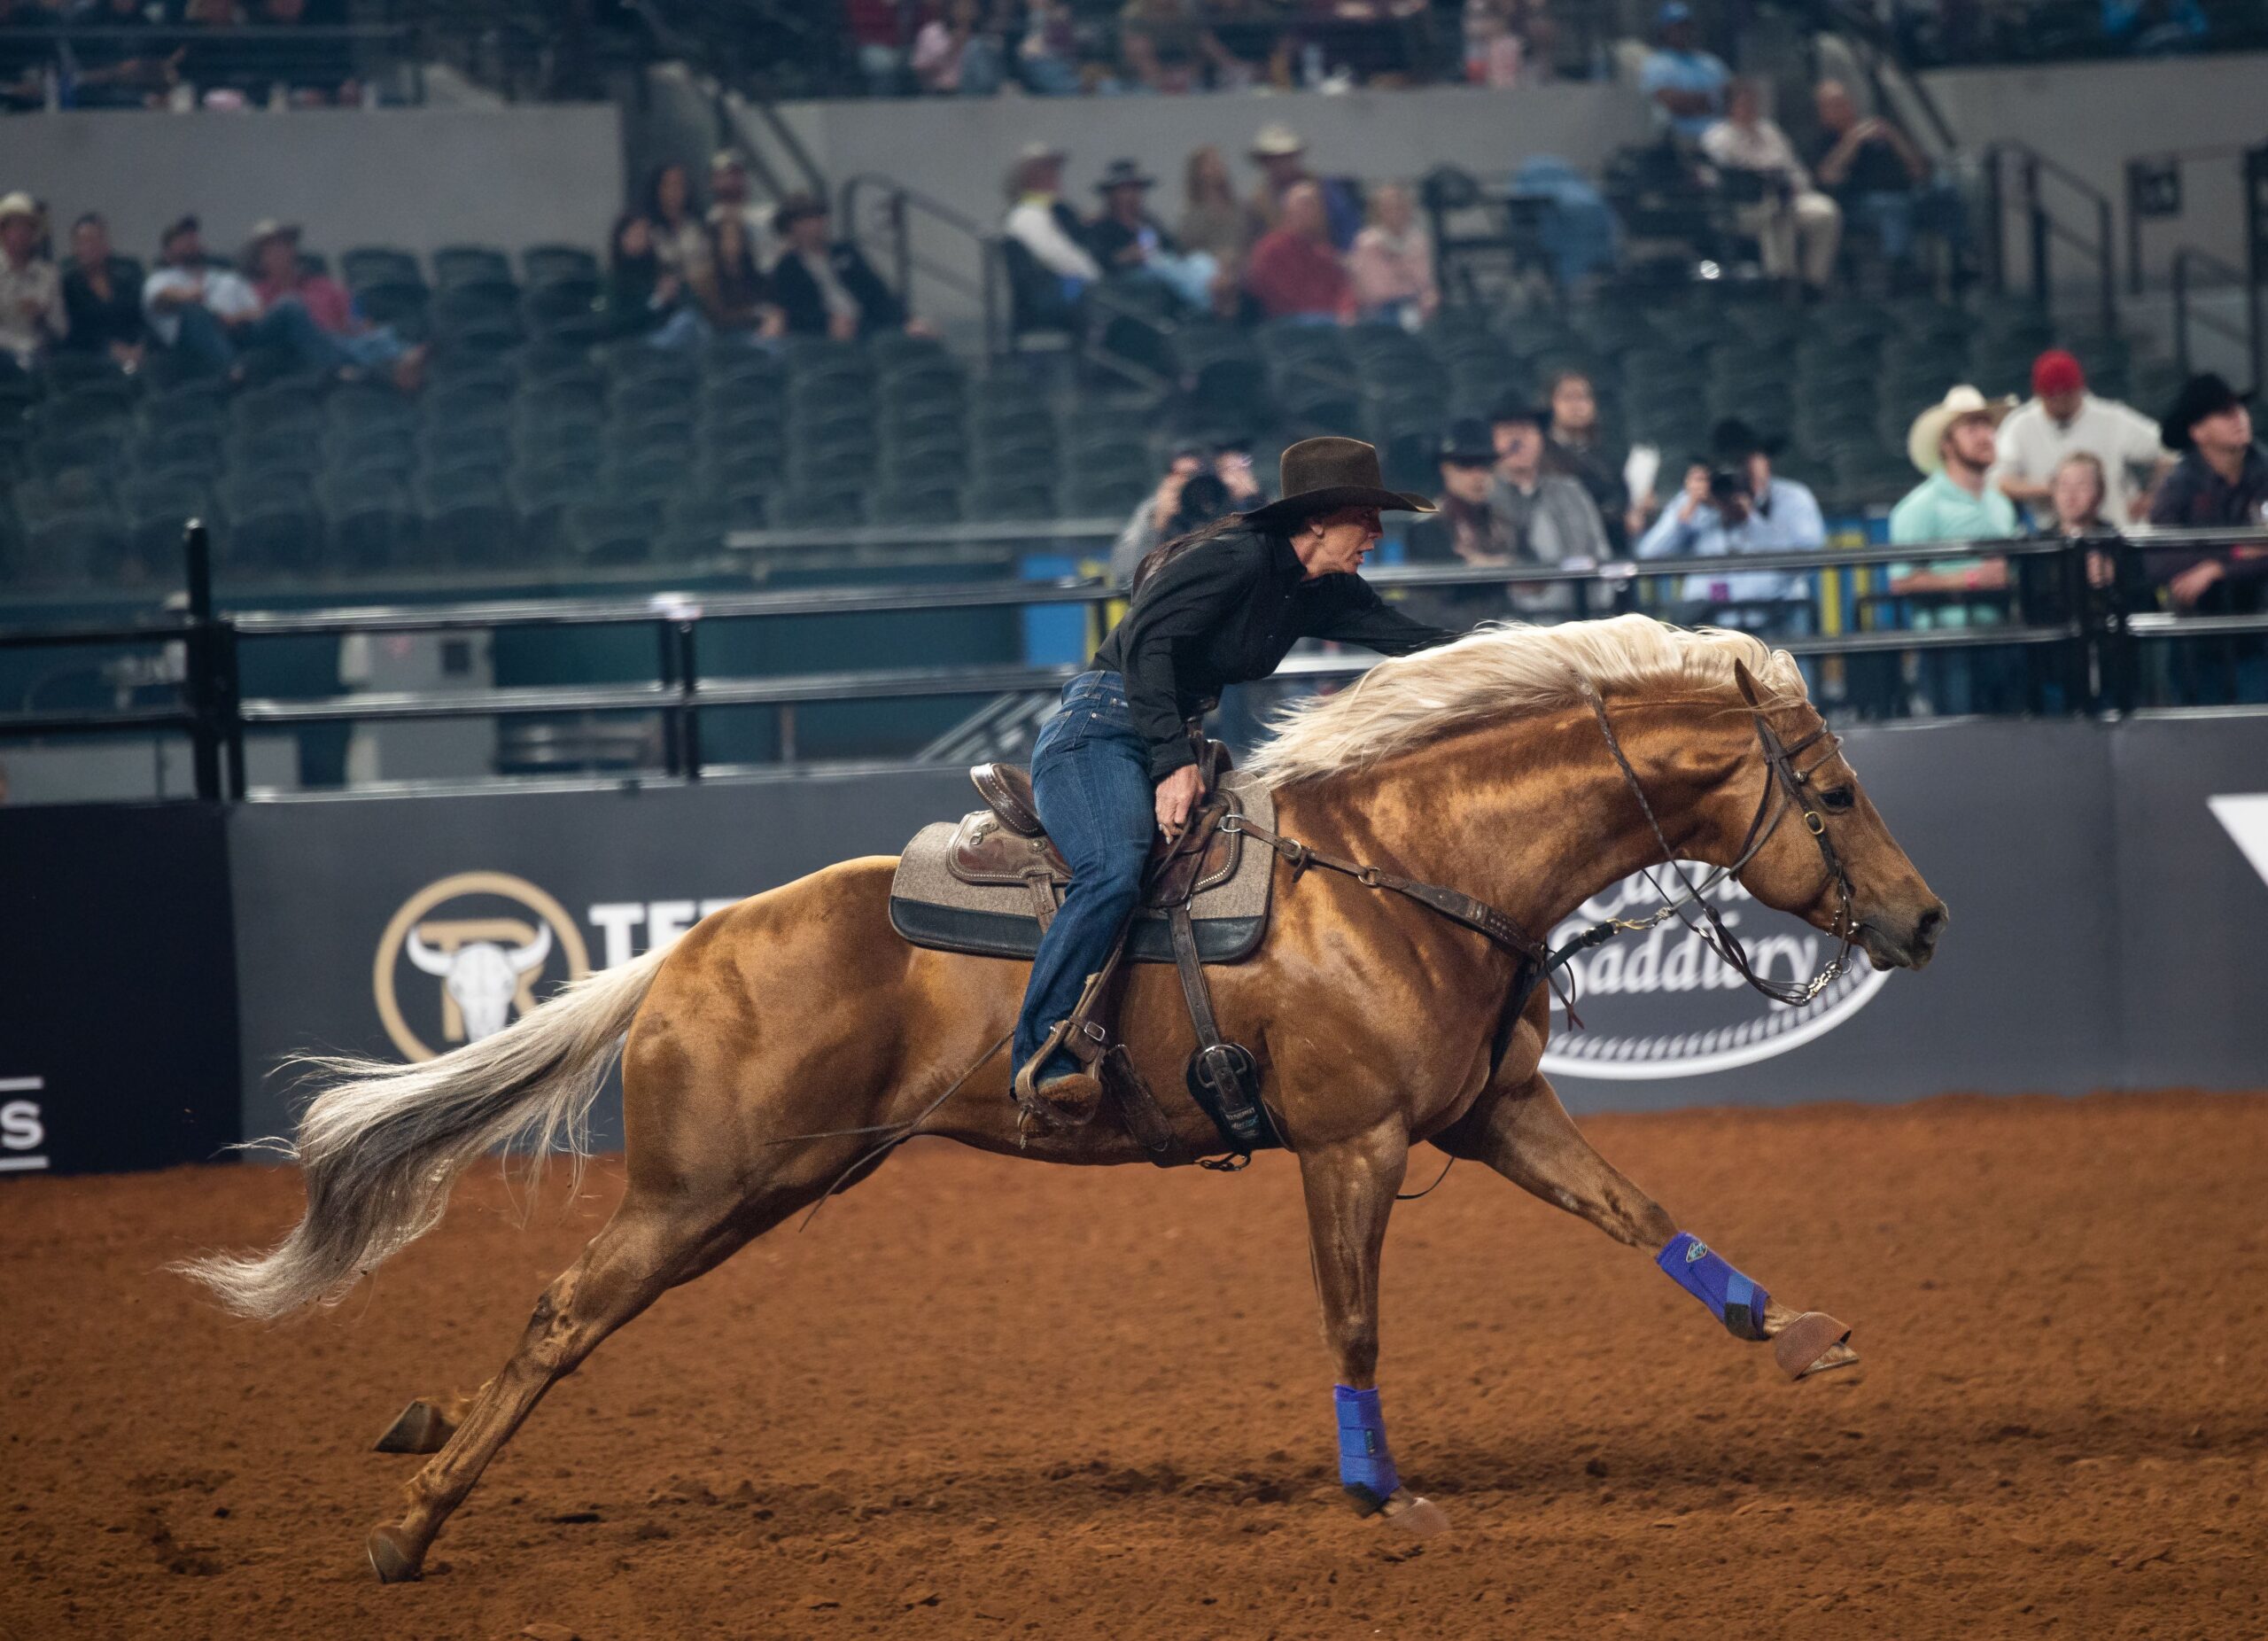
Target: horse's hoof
(422,1427)
(1419,1518)
(1813,1343)
(390,1559)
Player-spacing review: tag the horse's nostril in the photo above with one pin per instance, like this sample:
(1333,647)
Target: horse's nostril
(1927,927)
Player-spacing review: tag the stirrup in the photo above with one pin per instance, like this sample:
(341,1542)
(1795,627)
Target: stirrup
(1069,1100)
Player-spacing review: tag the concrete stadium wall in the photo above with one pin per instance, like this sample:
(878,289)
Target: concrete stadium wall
(2092,118)
(417,177)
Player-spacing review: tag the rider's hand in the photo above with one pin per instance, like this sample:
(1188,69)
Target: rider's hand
(1177,796)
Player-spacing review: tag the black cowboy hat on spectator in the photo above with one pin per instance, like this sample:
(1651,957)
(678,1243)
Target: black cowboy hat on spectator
(1468,444)
(175,228)
(1123,173)
(1733,440)
(1323,475)
(797,209)
(2201,396)
(1517,409)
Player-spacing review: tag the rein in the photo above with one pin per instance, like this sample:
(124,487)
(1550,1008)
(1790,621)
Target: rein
(1787,788)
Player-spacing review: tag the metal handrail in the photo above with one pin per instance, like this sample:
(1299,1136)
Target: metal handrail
(899,202)
(2098,638)
(2189,257)
(2046,230)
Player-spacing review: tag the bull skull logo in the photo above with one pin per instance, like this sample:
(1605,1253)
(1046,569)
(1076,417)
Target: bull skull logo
(488,938)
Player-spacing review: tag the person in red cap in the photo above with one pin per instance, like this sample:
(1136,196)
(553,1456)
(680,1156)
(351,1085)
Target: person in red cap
(2062,419)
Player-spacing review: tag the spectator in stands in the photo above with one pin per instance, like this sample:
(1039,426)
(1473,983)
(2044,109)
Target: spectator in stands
(680,238)
(956,54)
(2220,482)
(1547,516)
(1685,84)
(1798,229)
(1213,220)
(1464,529)
(115,70)
(1283,161)
(2078,495)
(1193,464)
(875,29)
(1128,241)
(2061,417)
(1165,46)
(31,315)
(1295,273)
(102,295)
(1872,169)
(192,308)
(1040,223)
(826,287)
(1575,444)
(729,191)
(734,296)
(1047,56)
(643,296)
(1953,443)
(2151,27)
(25,55)
(1734,503)
(1392,263)
(354,342)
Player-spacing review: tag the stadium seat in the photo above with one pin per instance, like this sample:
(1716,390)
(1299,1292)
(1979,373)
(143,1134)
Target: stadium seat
(74,547)
(458,266)
(292,450)
(611,532)
(1007,499)
(369,264)
(934,504)
(373,525)
(544,264)
(801,508)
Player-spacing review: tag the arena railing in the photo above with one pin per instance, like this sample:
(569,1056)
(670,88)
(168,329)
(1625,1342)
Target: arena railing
(2087,639)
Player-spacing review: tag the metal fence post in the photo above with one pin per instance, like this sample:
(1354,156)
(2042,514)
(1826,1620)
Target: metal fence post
(689,711)
(198,678)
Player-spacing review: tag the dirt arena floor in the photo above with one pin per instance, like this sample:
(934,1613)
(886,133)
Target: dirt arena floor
(985,1398)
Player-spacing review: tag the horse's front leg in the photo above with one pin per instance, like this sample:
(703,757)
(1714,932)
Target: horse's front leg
(1526,1134)
(1350,1187)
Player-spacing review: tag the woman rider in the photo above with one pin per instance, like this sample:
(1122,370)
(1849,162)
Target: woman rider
(1220,606)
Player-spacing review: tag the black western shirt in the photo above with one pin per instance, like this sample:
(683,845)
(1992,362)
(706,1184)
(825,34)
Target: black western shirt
(2194,496)
(1226,611)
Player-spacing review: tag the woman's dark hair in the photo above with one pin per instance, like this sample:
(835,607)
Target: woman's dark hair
(1204,498)
(1158,557)
(654,190)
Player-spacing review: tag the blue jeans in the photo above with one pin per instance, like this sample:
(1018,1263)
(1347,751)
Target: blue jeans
(1091,772)
(287,325)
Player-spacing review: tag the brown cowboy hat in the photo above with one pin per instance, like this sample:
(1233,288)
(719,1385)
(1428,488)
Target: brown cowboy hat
(1323,475)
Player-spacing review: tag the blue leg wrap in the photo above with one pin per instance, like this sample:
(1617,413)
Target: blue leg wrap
(1365,1466)
(1731,1297)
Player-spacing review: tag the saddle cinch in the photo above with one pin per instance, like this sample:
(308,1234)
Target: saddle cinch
(990,885)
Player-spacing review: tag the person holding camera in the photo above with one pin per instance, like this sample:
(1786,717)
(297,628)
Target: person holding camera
(1734,503)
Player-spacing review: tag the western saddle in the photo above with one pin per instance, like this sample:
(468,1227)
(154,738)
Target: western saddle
(1007,844)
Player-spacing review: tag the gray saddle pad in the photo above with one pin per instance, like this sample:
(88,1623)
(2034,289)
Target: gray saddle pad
(931,907)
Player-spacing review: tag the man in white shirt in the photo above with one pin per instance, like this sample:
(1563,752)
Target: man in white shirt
(192,307)
(31,315)
(2062,418)
(1798,229)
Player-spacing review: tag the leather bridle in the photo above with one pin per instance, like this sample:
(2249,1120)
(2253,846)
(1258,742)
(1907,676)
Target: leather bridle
(1788,788)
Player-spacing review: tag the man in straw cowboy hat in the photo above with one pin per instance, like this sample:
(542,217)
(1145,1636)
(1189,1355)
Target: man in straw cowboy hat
(31,315)
(1040,222)
(1953,443)
(1220,606)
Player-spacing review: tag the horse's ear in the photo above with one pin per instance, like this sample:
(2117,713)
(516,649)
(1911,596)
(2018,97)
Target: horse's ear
(1746,680)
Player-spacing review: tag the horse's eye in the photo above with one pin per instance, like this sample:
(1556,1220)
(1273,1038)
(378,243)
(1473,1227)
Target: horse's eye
(1840,797)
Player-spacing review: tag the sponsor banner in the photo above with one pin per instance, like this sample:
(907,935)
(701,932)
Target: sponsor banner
(118,1016)
(405,927)
(2011,823)
(2101,880)
(2191,799)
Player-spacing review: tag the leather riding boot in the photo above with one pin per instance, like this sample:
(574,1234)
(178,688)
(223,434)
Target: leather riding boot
(1068,1100)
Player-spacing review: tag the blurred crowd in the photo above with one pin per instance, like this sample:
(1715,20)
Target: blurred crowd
(177,54)
(1051,48)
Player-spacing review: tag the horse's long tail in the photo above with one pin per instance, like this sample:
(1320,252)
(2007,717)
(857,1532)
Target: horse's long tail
(383,1144)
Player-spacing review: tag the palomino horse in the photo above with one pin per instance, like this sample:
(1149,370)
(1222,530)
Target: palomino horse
(769,1047)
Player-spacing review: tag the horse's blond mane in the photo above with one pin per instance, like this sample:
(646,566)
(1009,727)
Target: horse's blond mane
(1509,671)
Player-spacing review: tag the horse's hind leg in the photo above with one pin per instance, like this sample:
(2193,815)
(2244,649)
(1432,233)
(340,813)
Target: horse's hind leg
(1350,1188)
(1526,1134)
(639,1254)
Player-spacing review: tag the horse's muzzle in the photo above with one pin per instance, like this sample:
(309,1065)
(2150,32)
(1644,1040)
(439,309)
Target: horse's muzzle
(1903,942)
